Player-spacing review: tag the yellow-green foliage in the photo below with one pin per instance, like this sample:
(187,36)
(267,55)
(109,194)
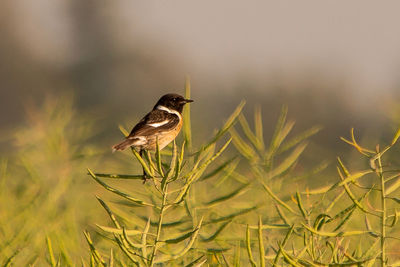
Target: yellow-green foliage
(252,209)
(236,200)
(43,192)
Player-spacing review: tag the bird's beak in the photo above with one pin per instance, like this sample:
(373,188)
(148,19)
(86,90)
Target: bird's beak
(187,100)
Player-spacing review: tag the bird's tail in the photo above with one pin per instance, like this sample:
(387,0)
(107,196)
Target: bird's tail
(123,145)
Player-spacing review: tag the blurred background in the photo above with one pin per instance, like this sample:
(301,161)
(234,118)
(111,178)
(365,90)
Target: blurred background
(72,71)
(330,62)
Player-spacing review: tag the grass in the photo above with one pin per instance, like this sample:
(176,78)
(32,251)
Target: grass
(235,200)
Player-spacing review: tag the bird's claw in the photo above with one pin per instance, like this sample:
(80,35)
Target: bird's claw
(145,177)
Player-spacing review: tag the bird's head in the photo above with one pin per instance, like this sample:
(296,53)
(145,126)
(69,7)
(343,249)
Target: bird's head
(173,102)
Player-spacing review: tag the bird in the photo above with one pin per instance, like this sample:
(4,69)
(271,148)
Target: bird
(162,124)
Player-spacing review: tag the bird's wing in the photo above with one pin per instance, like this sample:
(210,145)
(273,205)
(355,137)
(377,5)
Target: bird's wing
(154,122)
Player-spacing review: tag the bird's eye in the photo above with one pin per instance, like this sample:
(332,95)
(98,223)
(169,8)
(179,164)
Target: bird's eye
(175,99)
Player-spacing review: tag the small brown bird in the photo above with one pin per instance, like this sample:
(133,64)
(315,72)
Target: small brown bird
(164,123)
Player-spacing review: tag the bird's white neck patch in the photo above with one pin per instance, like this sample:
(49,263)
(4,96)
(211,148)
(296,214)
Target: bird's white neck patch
(171,111)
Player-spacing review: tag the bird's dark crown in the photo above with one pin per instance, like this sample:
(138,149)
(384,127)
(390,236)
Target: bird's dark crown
(173,102)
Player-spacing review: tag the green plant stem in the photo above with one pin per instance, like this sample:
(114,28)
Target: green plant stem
(383,222)
(383,213)
(379,172)
(160,220)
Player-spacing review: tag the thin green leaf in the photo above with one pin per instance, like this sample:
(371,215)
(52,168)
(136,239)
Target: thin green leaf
(92,261)
(313,171)
(368,226)
(350,194)
(173,161)
(197,262)
(396,199)
(93,250)
(50,251)
(301,207)
(216,233)
(111,189)
(280,202)
(321,220)
(217,250)
(179,162)
(258,144)
(282,245)
(343,213)
(270,226)
(287,128)
(229,172)
(123,130)
(372,261)
(278,129)
(126,251)
(109,212)
(119,176)
(142,162)
(395,218)
(144,239)
(288,258)
(159,161)
(248,247)
(166,224)
(190,175)
(185,249)
(353,143)
(231,216)
(64,254)
(261,243)
(152,167)
(111,260)
(317,191)
(239,191)
(245,149)
(299,138)
(336,200)
(127,242)
(396,137)
(8,261)
(344,263)
(392,177)
(117,231)
(334,234)
(354,177)
(187,128)
(258,125)
(393,187)
(197,168)
(281,214)
(288,161)
(344,220)
(180,238)
(344,169)
(236,262)
(220,168)
(350,208)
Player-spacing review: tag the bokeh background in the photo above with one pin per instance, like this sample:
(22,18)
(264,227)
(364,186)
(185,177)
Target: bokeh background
(72,71)
(336,62)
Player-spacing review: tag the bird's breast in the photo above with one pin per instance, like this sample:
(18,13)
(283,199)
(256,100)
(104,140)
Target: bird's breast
(165,137)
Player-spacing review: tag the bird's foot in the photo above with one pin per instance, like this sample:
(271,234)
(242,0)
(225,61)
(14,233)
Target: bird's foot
(145,177)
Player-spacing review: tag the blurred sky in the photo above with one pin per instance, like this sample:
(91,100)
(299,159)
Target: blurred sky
(358,39)
(118,54)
